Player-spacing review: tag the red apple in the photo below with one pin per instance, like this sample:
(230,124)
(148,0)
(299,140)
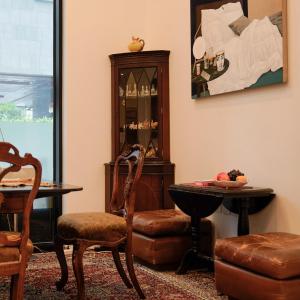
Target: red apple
(223,176)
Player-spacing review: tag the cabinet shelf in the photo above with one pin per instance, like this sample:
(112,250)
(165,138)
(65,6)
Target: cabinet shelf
(138,96)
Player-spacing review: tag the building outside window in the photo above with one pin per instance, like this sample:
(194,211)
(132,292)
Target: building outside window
(27,79)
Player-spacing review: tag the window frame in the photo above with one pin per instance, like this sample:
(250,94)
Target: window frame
(57,94)
(57,112)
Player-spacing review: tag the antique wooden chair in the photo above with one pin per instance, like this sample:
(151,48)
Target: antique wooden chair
(16,247)
(110,230)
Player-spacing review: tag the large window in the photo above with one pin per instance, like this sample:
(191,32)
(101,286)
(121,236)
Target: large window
(30,88)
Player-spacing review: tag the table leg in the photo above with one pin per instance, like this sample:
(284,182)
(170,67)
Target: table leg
(243,221)
(189,257)
(193,257)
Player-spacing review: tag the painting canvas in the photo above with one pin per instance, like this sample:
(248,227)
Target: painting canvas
(237,45)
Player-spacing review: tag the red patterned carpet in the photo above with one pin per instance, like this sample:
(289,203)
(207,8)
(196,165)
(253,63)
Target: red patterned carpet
(103,282)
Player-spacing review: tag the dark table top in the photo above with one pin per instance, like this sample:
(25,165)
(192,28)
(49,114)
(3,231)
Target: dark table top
(246,191)
(44,191)
(203,201)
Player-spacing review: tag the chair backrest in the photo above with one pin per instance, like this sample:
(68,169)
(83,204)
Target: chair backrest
(13,162)
(134,158)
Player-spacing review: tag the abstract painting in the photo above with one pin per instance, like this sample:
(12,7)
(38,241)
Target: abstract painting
(237,45)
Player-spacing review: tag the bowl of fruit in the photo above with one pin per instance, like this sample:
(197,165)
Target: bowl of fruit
(232,179)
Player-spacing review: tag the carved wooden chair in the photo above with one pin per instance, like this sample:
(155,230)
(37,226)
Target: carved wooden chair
(110,230)
(16,247)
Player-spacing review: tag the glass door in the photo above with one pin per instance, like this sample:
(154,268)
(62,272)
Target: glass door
(30,93)
(138,99)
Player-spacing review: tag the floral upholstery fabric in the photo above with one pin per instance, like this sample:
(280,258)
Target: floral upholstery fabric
(10,254)
(91,226)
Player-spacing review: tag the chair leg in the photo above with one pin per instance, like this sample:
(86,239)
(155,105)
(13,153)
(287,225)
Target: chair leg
(59,249)
(13,280)
(120,268)
(17,286)
(77,257)
(130,268)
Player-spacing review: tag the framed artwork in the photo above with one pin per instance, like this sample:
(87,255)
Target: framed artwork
(237,45)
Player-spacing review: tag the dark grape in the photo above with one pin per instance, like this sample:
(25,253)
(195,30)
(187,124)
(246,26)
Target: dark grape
(233,174)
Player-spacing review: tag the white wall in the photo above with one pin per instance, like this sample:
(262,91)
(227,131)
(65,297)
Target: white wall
(255,131)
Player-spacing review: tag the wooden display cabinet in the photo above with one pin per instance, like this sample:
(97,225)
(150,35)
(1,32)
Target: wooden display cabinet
(140,114)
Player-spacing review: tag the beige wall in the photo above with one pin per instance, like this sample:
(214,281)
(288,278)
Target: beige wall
(256,131)
(257,9)
(93,29)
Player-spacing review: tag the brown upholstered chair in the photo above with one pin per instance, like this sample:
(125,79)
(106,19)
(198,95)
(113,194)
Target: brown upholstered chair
(16,247)
(259,266)
(83,230)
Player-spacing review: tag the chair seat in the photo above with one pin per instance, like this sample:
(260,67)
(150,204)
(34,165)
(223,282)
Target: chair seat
(161,222)
(91,226)
(165,222)
(11,254)
(276,255)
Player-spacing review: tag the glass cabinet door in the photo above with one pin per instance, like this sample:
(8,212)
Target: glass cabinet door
(138,102)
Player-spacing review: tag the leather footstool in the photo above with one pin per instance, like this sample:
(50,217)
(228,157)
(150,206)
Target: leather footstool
(162,237)
(259,266)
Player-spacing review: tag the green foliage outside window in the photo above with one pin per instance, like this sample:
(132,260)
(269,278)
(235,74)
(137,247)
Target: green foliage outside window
(10,112)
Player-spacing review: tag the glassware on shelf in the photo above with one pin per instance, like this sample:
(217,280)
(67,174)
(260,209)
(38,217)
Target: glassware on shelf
(134,92)
(133,126)
(153,90)
(142,91)
(151,151)
(121,91)
(138,110)
(130,92)
(154,124)
(145,91)
(146,124)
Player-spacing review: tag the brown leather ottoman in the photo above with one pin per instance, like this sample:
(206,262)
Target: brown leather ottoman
(162,236)
(259,266)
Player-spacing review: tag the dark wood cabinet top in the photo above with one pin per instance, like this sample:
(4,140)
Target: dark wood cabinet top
(153,53)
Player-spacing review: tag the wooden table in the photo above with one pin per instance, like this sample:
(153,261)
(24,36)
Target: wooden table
(201,202)
(14,196)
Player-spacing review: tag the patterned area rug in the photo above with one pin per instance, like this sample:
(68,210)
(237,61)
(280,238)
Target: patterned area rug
(103,282)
